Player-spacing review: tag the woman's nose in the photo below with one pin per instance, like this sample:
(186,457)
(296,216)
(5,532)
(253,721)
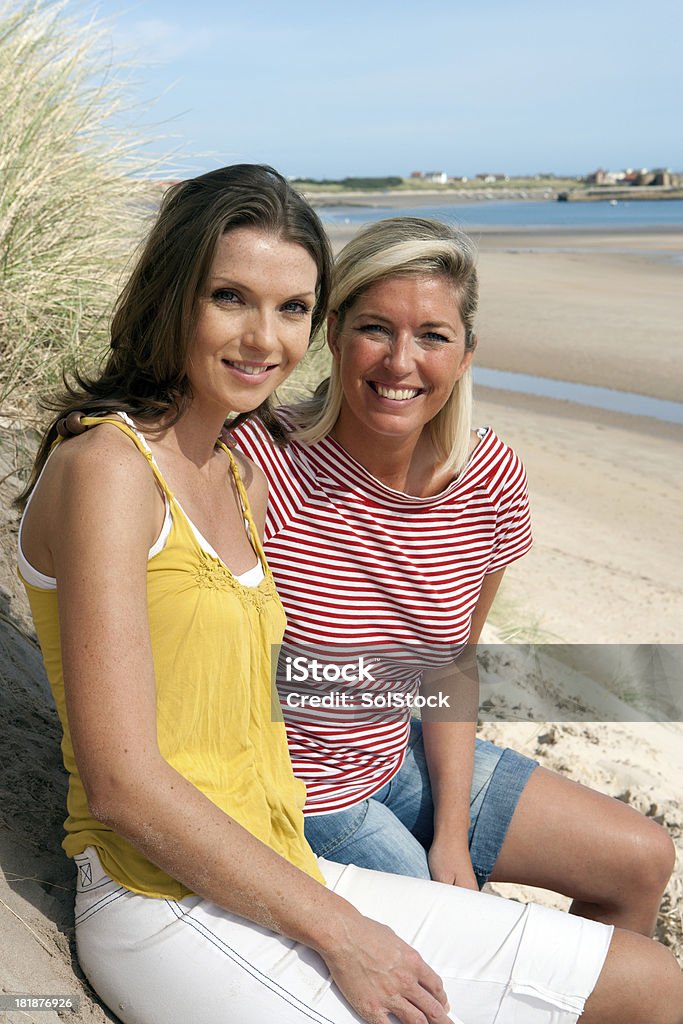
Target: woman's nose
(260,332)
(399,356)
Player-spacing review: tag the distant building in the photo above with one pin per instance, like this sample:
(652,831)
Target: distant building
(603,177)
(659,176)
(435,177)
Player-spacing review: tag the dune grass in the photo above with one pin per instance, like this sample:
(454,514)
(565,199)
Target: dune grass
(72,200)
(313,368)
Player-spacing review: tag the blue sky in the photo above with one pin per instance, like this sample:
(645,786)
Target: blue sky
(335,89)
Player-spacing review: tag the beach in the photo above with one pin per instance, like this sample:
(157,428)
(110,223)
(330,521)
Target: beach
(594,307)
(606,488)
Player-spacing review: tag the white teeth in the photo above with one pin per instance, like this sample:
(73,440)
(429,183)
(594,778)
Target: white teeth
(398,394)
(250,369)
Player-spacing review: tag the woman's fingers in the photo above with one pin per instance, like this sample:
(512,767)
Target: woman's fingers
(421,1008)
(431,983)
(434,998)
(381,975)
(407,1013)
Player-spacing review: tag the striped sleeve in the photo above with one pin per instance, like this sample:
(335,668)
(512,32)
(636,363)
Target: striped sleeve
(509,495)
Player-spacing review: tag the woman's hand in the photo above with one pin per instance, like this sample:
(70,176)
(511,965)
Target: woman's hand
(450,863)
(380,975)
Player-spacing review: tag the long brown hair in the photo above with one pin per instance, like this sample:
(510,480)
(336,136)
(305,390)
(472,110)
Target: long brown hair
(154,319)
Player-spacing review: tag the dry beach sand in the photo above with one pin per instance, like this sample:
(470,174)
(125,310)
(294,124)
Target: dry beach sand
(606,487)
(607,566)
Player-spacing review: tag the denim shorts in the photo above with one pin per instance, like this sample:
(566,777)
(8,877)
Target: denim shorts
(393,829)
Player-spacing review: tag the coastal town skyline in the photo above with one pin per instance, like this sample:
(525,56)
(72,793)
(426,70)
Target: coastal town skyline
(358,89)
(628,176)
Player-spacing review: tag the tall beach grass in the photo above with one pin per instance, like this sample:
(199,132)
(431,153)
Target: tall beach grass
(73,202)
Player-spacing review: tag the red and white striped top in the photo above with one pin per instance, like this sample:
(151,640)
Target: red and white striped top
(357,563)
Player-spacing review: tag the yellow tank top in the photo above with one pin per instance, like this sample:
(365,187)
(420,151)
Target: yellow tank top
(211,639)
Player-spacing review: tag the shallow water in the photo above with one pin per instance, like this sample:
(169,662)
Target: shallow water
(582,394)
(639,213)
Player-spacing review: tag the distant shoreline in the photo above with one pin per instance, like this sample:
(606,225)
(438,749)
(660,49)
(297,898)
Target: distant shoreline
(395,199)
(402,198)
(651,242)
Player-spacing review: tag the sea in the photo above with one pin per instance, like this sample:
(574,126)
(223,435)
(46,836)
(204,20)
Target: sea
(492,213)
(549,215)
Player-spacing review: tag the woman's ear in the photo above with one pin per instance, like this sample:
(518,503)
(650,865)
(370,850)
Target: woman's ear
(332,322)
(466,362)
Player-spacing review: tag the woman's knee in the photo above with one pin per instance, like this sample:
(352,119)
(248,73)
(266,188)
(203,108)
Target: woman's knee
(653,857)
(640,983)
(665,854)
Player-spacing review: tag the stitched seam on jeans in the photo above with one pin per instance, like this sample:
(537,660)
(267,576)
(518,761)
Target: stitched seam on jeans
(482,877)
(247,967)
(416,738)
(335,843)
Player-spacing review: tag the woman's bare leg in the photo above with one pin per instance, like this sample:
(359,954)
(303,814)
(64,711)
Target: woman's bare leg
(640,983)
(613,862)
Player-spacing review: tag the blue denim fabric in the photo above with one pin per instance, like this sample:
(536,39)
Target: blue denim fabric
(393,829)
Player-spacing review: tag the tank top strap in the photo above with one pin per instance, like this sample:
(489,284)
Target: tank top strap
(137,439)
(244,500)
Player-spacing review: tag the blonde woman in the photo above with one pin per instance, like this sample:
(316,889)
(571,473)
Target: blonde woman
(392,521)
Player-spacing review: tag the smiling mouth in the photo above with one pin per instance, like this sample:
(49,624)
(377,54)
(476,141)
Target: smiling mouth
(251,369)
(395,394)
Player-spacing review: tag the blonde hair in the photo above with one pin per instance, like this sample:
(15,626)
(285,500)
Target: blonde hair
(402,246)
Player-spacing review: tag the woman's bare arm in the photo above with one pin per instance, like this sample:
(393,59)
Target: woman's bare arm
(449,750)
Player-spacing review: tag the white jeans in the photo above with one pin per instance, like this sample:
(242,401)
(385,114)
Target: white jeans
(157,961)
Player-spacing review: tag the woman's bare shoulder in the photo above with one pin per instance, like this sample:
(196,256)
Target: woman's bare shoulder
(103,459)
(88,482)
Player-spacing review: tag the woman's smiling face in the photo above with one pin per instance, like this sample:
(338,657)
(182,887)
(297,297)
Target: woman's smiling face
(254,320)
(400,348)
